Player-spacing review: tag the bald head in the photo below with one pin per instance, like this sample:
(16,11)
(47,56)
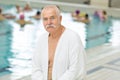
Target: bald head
(51,7)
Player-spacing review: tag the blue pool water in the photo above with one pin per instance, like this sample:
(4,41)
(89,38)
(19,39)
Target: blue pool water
(16,46)
(5,45)
(98,32)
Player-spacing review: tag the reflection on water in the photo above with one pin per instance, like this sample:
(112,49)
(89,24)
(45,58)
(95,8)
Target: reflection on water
(115,38)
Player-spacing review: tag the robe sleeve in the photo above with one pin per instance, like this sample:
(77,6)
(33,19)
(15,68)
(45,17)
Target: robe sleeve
(76,70)
(37,73)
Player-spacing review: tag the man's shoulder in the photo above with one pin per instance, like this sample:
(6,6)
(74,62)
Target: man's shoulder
(72,34)
(43,36)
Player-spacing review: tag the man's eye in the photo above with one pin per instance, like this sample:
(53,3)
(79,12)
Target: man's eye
(45,19)
(52,18)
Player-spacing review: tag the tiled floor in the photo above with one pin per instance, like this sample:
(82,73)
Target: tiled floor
(106,66)
(103,63)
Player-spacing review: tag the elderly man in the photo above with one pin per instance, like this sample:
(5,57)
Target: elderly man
(59,54)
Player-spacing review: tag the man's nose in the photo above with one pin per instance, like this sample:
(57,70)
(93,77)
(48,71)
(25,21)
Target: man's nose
(49,21)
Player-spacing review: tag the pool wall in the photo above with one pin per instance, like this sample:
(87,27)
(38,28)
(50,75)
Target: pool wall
(68,7)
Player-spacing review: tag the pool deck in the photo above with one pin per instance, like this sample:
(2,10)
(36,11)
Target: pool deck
(103,63)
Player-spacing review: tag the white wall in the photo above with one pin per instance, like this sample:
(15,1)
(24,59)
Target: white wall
(103,3)
(68,7)
(70,1)
(115,3)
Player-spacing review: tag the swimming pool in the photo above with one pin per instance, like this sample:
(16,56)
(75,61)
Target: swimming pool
(5,46)
(20,44)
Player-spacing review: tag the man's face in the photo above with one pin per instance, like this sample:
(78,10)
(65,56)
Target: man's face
(51,20)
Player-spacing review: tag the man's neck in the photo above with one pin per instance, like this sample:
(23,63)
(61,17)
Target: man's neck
(57,33)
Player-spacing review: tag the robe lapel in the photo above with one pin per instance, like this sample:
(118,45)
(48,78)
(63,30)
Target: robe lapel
(56,56)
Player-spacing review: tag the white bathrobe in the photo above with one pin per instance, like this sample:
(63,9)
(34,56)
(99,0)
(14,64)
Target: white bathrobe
(69,59)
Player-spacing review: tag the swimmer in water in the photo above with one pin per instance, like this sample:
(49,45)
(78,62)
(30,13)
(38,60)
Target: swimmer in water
(37,16)
(22,21)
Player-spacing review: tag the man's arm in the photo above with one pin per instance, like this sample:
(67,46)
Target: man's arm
(37,73)
(36,70)
(76,69)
